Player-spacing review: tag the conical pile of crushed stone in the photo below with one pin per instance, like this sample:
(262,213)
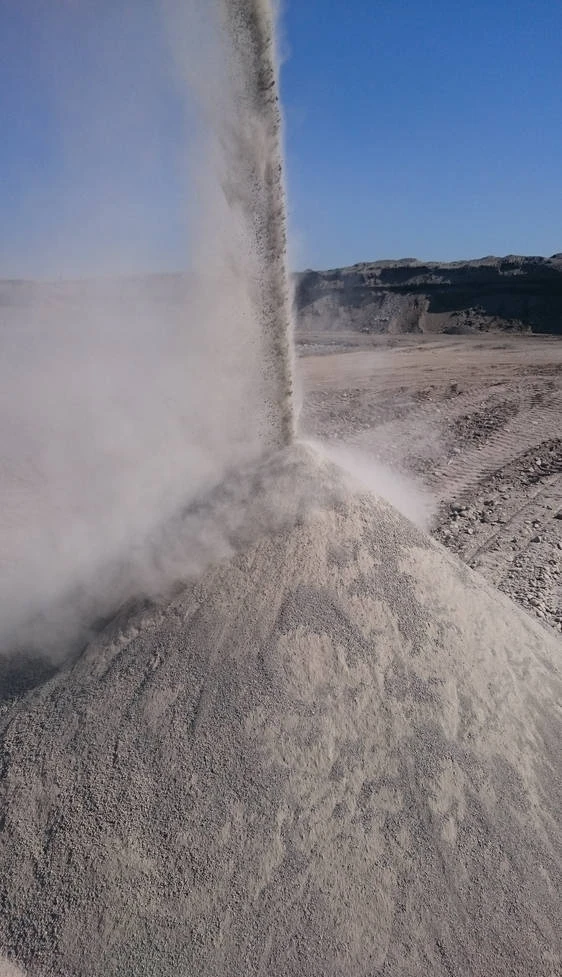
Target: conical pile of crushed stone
(333,754)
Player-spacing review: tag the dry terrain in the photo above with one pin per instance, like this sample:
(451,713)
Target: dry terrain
(478,420)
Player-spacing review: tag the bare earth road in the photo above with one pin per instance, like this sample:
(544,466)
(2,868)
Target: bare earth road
(478,420)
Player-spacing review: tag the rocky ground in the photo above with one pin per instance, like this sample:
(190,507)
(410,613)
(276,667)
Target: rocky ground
(478,422)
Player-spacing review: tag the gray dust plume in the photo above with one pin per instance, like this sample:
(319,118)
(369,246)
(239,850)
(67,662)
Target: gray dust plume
(122,402)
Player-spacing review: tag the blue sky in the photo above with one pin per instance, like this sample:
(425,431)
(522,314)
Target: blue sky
(422,128)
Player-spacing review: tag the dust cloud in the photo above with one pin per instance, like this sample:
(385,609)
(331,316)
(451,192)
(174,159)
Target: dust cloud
(361,469)
(123,401)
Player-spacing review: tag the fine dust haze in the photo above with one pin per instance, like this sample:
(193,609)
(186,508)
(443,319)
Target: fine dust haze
(124,401)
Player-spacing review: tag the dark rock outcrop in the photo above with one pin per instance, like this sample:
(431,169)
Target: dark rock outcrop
(514,293)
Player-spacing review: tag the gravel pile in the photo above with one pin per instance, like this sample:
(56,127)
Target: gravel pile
(334,753)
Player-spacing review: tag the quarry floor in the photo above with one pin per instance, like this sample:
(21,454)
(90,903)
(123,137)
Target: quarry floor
(476,420)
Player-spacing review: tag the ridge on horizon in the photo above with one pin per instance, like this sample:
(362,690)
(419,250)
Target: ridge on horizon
(436,262)
(375,262)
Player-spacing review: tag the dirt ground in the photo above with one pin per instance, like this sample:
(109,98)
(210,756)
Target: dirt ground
(478,421)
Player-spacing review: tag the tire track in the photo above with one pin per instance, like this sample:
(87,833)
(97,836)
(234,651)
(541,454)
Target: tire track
(549,494)
(510,531)
(529,430)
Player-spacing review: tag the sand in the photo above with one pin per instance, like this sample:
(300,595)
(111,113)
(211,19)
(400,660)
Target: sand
(335,753)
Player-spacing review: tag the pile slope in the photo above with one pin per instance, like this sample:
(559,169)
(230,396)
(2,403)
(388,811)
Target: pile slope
(333,754)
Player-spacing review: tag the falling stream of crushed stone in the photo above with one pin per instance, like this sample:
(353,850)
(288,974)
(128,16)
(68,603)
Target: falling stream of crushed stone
(254,147)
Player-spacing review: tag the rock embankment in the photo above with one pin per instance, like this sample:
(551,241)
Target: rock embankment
(514,293)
